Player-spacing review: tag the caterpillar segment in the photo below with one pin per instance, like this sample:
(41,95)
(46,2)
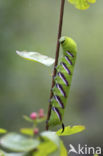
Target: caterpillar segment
(62,80)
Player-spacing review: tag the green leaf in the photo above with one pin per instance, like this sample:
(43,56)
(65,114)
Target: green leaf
(38,120)
(45,148)
(95,154)
(52,145)
(63,151)
(3,131)
(41,120)
(56,153)
(27,118)
(27,131)
(15,154)
(18,143)
(36,57)
(81,4)
(51,136)
(70,130)
(2,153)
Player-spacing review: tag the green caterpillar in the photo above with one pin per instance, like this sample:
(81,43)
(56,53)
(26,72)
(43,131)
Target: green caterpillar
(62,81)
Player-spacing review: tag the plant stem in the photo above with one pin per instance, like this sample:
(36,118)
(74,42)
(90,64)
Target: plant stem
(56,57)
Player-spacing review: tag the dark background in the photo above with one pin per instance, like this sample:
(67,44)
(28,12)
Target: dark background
(25,86)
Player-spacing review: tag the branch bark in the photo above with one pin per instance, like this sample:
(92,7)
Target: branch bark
(56,57)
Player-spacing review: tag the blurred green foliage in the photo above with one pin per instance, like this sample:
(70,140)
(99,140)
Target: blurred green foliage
(82,4)
(25,86)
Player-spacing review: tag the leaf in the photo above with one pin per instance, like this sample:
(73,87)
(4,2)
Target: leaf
(36,57)
(52,136)
(81,4)
(3,131)
(70,130)
(52,145)
(27,131)
(38,120)
(45,148)
(2,153)
(95,154)
(91,1)
(18,143)
(27,118)
(15,154)
(41,120)
(63,151)
(56,153)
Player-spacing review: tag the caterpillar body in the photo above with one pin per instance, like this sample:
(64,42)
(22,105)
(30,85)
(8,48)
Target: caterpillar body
(62,81)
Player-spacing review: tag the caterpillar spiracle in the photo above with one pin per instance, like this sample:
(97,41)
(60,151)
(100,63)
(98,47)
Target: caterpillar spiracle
(62,81)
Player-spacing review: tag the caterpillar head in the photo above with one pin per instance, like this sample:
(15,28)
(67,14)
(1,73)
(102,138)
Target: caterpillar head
(68,44)
(62,39)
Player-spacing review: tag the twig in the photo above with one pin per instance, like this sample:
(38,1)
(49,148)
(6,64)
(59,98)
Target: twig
(56,57)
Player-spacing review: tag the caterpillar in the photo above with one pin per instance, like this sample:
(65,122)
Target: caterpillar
(62,81)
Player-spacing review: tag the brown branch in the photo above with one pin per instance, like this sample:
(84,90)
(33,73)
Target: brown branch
(56,57)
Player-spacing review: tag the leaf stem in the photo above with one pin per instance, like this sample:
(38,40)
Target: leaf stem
(56,57)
